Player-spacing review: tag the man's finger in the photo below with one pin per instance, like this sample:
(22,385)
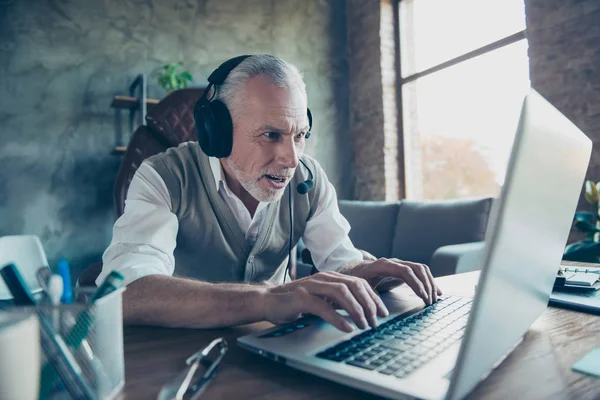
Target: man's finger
(424,274)
(360,290)
(339,293)
(382,310)
(419,270)
(436,289)
(404,272)
(435,292)
(319,307)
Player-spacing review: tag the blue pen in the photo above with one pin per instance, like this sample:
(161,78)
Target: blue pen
(65,272)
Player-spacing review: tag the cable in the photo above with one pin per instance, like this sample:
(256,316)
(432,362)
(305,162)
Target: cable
(287,268)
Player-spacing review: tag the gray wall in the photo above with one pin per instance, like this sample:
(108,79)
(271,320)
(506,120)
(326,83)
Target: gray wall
(61,62)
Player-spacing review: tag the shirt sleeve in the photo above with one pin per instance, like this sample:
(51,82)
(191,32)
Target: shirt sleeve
(326,233)
(145,236)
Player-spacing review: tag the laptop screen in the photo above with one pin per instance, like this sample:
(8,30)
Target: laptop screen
(528,229)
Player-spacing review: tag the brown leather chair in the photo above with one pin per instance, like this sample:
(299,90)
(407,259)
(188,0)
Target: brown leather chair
(169,123)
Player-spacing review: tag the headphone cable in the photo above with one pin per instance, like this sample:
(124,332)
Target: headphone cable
(287,268)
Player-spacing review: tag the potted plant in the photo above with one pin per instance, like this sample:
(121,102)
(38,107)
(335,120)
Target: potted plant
(171,78)
(588,249)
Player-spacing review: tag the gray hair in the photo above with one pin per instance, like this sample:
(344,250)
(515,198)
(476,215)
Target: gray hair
(274,69)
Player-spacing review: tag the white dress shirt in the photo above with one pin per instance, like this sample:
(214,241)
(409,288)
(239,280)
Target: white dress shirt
(145,236)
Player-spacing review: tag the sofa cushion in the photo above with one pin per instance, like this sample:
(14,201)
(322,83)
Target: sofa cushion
(372,224)
(422,227)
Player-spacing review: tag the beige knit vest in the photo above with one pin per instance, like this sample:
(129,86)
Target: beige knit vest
(211,246)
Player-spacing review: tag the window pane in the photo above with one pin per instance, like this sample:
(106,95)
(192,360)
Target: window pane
(434,31)
(459,124)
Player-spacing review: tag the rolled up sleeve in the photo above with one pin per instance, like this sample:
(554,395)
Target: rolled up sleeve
(145,236)
(326,233)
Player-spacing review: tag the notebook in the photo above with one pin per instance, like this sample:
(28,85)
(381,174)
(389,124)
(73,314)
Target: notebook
(585,297)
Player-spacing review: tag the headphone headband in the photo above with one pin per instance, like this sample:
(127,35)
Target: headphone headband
(214,126)
(220,74)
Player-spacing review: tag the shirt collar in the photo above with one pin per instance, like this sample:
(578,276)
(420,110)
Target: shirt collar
(217,171)
(219,177)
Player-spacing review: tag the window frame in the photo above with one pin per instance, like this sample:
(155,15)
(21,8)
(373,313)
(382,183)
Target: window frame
(400,82)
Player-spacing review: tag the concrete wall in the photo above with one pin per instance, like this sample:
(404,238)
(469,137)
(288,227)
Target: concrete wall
(61,62)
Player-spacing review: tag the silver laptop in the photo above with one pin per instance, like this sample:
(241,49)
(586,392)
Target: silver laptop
(444,350)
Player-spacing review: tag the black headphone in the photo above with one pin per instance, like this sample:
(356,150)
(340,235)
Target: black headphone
(214,129)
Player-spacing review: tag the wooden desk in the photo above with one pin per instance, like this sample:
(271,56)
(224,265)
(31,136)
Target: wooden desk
(539,368)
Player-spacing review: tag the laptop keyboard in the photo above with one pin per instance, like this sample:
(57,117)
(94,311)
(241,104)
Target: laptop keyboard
(401,345)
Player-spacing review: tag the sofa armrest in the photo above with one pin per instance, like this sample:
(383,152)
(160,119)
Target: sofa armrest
(456,258)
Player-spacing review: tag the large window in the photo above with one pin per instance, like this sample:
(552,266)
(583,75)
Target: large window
(465,72)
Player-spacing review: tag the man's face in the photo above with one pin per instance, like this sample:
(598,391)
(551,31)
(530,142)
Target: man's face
(269,127)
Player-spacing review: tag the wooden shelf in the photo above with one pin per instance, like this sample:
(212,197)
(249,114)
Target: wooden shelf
(129,103)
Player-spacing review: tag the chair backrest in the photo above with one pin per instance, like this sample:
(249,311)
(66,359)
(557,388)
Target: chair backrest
(170,123)
(27,254)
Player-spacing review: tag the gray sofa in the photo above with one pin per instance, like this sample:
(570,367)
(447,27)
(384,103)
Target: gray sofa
(446,235)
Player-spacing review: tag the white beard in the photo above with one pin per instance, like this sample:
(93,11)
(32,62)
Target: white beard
(252,185)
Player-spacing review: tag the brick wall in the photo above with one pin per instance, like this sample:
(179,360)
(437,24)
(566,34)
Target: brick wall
(373,99)
(564,50)
(564,60)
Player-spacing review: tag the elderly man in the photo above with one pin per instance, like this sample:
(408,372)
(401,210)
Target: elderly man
(206,231)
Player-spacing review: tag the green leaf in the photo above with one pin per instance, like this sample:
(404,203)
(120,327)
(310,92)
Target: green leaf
(585,226)
(187,76)
(584,250)
(584,216)
(163,82)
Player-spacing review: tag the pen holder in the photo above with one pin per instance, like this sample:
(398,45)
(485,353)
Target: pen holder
(108,336)
(85,358)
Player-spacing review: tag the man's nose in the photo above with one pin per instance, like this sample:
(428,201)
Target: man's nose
(288,155)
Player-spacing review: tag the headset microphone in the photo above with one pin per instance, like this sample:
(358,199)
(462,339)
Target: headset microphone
(302,188)
(307,185)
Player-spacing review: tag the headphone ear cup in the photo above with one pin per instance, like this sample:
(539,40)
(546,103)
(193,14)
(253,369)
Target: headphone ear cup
(214,128)
(204,121)
(223,139)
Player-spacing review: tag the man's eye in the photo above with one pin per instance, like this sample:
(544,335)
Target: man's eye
(300,136)
(272,135)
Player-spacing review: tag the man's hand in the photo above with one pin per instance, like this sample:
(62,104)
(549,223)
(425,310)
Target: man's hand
(319,294)
(417,276)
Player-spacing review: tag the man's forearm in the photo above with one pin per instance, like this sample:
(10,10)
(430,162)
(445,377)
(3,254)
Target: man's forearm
(177,302)
(348,267)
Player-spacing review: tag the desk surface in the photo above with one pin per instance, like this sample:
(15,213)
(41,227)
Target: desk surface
(539,368)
